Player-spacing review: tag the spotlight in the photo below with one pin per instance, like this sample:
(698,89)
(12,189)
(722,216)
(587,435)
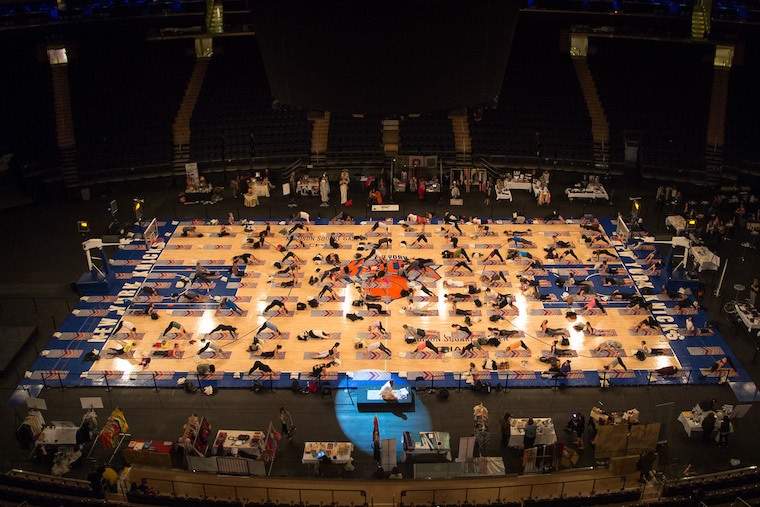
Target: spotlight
(83,226)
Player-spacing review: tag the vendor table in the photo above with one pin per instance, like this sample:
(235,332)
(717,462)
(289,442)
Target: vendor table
(592,191)
(677,222)
(504,195)
(748,315)
(691,420)
(430,444)
(232,442)
(156,453)
(545,433)
(338,452)
(521,184)
(307,186)
(704,258)
(753,226)
(58,433)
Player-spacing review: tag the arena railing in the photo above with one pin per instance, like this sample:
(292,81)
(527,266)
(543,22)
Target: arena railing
(266,382)
(273,494)
(492,494)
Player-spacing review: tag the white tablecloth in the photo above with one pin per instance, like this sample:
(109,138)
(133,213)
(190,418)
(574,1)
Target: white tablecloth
(234,443)
(307,186)
(704,258)
(592,191)
(504,195)
(677,222)
(339,452)
(517,184)
(58,435)
(690,425)
(749,316)
(545,433)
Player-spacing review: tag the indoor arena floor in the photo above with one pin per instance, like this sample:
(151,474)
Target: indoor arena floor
(253,292)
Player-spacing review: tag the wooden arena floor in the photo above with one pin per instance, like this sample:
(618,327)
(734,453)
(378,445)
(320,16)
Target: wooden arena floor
(255,291)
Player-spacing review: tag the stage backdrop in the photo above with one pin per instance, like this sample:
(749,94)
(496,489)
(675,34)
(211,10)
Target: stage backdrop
(389,56)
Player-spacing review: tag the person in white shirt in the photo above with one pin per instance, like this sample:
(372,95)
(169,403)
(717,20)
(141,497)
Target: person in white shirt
(690,327)
(387,393)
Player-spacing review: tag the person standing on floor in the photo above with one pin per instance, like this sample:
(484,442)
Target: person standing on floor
(286,423)
(529,440)
(724,430)
(708,426)
(754,289)
(506,430)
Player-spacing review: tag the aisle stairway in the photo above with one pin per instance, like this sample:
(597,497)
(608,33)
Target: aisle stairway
(391,137)
(462,139)
(320,134)
(716,124)
(700,19)
(181,125)
(64,127)
(600,128)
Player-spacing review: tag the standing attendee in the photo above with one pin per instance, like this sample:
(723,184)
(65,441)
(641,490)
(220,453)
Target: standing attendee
(286,423)
(724,430)
(506,430)
(344,179)
(754,289)
(529,440)
(708,426)
(324,190)
(421,190)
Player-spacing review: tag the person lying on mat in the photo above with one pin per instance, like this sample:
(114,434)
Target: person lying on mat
(504,300)
(363,343)
(291,257)
(462,329)
(203,273)
(666,371)
(121,349)
(276,303)
(270,354)
(189,231)
(494,253)
(426,344)
(723,363)
(559,243)
(314,334)
(317,370)
(327,353)
(596,254)
(327,289)
(552,331)
(611,347)
(411,334)
(420,310)
(521,242)
(648,326)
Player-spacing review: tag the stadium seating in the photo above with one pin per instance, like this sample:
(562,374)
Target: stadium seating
(426,134)
(27,107)
(235,107)
(124,98)
(742,128)
(351,134)
(660,91)
(540,103)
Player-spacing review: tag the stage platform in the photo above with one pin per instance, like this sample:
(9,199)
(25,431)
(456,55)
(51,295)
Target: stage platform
(162,266)
(368,400)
